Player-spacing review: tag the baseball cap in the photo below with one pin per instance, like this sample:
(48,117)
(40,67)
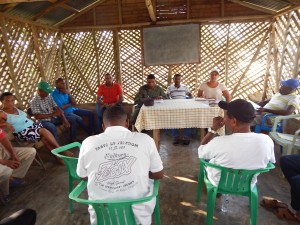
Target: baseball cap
(45,86)
(214,70)
(292,83)
(239,109)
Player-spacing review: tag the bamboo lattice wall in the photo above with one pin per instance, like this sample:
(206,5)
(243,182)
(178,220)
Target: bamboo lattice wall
(252,57)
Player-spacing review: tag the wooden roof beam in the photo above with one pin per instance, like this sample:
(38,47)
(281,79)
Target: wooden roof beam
(294,1)
(69,8)
(19,1)
(256,7)
(152,12)
(49,9)
(72,17)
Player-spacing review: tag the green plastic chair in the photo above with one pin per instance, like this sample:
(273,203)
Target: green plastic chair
(116,212)
(233,182)
(71,164)
(289,142)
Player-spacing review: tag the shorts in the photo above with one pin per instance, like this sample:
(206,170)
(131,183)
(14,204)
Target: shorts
(30,134)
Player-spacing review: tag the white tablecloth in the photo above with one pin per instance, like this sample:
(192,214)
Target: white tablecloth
(177,113)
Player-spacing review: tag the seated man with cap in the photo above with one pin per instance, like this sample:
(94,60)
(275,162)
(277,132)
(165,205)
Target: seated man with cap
(242,149)
(285,102)
(44,108)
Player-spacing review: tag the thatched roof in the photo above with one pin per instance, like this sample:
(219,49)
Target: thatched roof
(64,13)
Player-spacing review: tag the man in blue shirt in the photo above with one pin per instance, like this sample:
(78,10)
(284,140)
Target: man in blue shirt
(66,101)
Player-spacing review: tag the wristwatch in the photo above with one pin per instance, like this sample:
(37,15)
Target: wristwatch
(211,130)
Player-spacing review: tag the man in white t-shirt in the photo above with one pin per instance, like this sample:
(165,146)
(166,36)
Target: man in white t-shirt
(120,164)
(179,91)
(241,149)
(285,102)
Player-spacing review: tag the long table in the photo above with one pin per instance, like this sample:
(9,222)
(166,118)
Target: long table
(176,113)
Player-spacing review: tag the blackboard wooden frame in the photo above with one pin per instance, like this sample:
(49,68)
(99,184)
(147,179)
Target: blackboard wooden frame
(169,45)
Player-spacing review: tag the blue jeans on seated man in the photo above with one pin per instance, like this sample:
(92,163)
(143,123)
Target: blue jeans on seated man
(75,119)
(186,133)
(51,125)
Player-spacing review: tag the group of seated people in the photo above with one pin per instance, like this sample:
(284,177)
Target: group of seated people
(137,151)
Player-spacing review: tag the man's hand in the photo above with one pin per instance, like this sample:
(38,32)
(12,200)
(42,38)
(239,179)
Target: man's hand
(66,123)
(158,98)
(12,164)
(218,122)
(65,91)
(14,157)
(10,127)
(261,110)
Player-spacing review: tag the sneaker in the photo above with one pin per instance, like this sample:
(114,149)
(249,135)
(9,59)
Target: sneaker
(15,182)
(186,142)
(176,141)
(4,199)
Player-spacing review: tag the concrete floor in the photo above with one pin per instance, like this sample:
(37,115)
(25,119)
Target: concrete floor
(46,192)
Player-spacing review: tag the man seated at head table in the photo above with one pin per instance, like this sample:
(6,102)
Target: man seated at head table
(149,90)
(213,89)
(179,91)
(14,164)
(99,155)
(242,149)
(109,94)
(66,101)
(285,102)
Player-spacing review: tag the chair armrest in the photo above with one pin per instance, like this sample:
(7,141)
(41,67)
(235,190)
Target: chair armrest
(77,191)
(278,119)
(65,147)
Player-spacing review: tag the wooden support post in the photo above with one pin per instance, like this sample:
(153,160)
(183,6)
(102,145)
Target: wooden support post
(249,65)
(284,46)
(296,69)
(156,137)
(12,74)
(66,73)
(226,54)
(79,71)
(267,73)
(97,57)
(37,52)
(117,56)
(170,75)
(188,9)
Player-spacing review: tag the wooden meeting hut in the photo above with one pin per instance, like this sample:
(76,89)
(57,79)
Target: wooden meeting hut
(253,43)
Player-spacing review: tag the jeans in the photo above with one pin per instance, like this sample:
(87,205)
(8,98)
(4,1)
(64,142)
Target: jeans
(90,115)
(50,125)
(290,166)
(74,119)
(186,132)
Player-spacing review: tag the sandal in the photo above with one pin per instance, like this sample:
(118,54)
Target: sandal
(272,204)
(285,213)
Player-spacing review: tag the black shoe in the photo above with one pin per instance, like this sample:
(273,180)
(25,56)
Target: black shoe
(176,141)
(186,142)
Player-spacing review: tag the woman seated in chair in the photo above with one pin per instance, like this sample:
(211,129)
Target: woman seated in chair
(23,128)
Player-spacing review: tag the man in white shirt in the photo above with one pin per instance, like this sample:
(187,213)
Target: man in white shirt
(179,91)
(241,149)
(120,164)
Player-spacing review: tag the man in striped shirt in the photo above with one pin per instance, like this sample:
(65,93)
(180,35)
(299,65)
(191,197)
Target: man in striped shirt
(179,91)
(285,102)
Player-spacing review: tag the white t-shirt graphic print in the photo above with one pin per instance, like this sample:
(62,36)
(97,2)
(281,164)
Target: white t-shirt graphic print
(117,164)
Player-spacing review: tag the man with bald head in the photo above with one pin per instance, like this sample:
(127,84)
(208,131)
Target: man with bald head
(120,164)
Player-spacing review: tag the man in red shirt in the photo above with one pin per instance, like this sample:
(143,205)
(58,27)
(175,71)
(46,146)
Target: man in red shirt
(108,95)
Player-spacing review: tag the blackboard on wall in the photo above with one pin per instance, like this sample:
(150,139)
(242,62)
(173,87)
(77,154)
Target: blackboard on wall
(171,45)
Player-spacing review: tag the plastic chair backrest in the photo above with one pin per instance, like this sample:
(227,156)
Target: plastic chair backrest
(115,212)
(234,181)
(71,162)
